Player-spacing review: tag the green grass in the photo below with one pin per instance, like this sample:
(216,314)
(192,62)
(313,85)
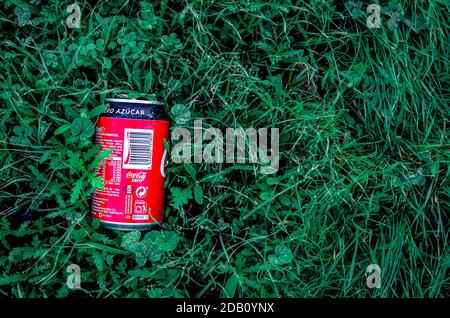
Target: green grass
(364,152)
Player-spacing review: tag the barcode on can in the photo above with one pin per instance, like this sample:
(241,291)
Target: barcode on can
(137,148)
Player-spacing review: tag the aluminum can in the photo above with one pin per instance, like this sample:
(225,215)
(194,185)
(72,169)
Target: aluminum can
(133,174)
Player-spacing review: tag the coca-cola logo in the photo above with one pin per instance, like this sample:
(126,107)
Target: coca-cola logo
(136,176)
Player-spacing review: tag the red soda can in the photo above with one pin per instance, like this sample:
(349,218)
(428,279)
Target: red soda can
(133,175)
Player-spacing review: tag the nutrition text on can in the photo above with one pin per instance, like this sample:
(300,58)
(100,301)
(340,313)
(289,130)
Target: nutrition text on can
(133,175)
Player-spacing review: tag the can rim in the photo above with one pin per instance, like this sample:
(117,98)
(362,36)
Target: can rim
(133,101)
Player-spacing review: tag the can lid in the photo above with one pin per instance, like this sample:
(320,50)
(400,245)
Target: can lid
(133,101)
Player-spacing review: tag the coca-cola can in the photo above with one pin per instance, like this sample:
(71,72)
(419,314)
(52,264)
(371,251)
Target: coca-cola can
(133,174)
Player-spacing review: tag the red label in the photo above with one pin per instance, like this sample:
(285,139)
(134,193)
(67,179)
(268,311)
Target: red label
(134,172)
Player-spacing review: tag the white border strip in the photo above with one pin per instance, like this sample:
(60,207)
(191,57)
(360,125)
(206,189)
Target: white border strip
(134,101)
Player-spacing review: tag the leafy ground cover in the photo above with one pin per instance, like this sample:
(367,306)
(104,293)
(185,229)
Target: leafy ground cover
(364,153)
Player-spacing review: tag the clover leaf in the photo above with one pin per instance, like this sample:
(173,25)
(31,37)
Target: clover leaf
(82,126)
(282,256)
(167,241)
